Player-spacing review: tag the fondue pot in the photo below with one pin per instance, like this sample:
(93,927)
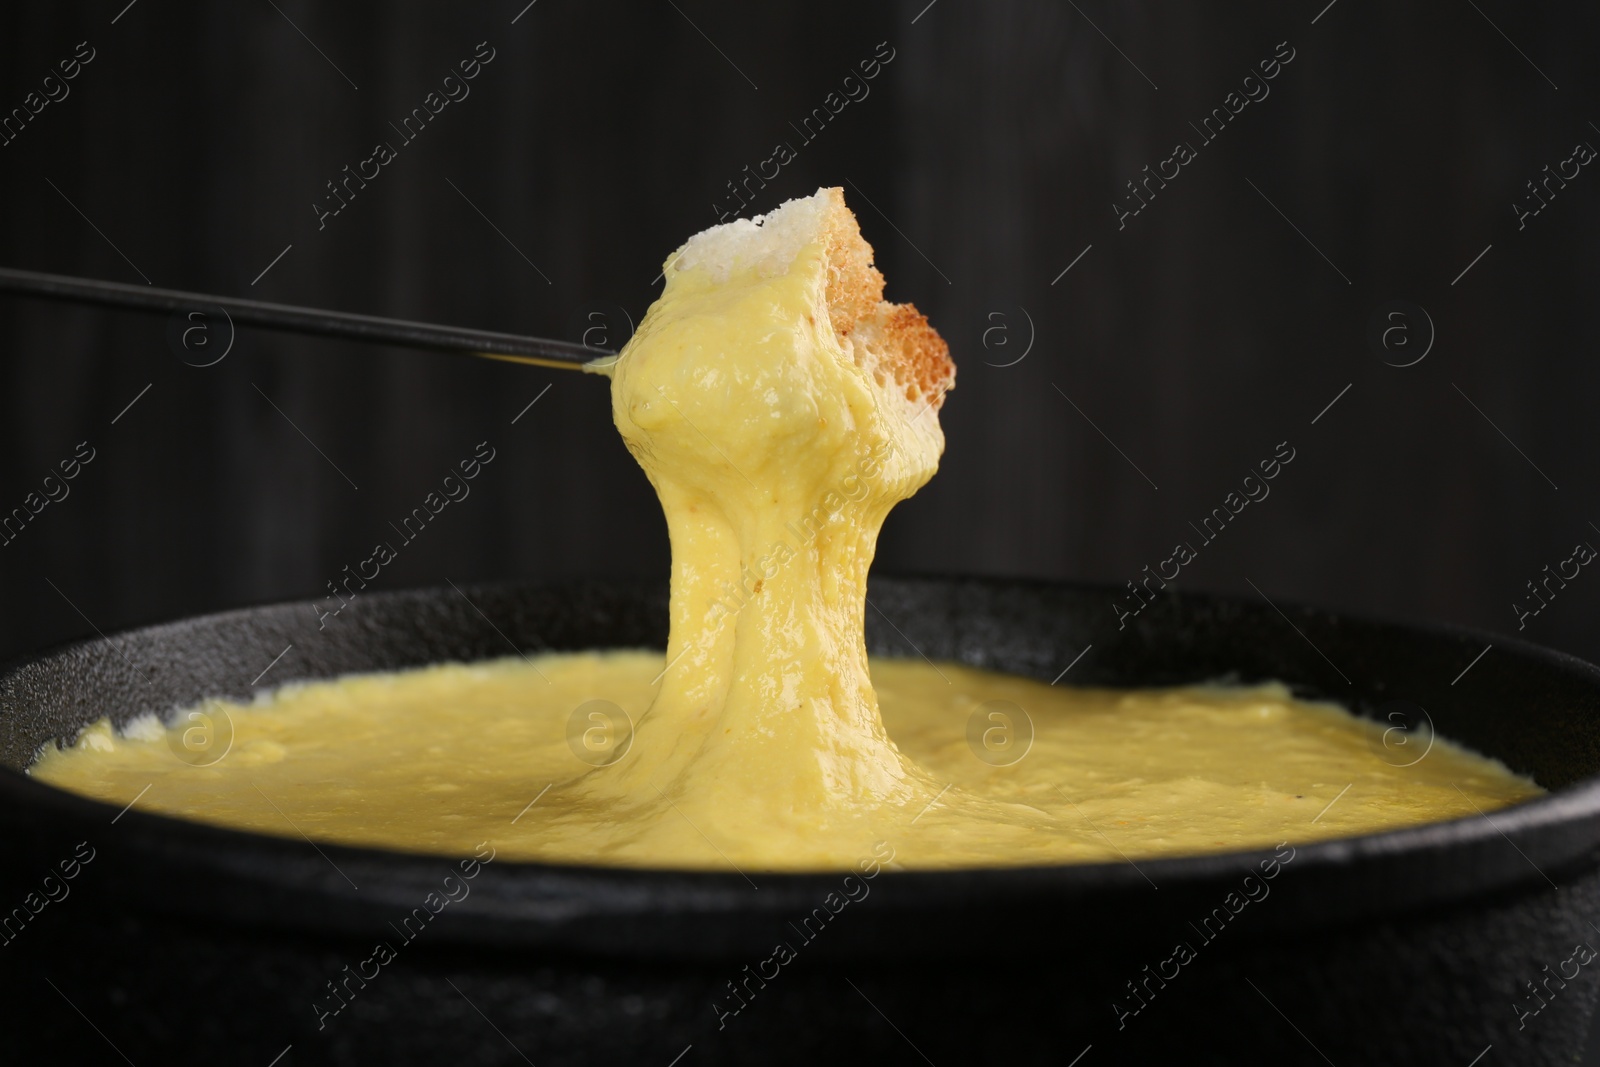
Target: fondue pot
(176,942)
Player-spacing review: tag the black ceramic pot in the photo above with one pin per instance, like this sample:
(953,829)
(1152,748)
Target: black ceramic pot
(181,943)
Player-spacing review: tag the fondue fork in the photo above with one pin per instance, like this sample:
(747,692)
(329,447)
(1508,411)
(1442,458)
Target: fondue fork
(457,340)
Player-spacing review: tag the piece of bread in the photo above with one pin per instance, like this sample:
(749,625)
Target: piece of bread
(891,341)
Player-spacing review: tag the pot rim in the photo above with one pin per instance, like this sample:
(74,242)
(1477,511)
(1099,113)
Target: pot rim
(1533,825)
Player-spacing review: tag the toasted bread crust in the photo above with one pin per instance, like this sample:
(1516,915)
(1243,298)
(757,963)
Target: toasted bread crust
(890,340)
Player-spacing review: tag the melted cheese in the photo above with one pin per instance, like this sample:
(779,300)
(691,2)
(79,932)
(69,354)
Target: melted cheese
(759,742)
(443,758)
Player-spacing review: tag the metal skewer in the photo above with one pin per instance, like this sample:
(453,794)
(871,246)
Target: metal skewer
(514,348)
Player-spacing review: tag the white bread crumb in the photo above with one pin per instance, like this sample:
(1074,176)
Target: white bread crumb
(766,244)
(891,341)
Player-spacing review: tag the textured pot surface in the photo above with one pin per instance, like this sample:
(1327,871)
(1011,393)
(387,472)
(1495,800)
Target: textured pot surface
(185,943)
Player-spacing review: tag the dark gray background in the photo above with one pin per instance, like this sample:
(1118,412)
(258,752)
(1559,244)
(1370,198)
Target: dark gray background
(1214,326)
(992,148)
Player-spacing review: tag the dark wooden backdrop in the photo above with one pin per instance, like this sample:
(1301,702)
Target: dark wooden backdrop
(1177,351)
